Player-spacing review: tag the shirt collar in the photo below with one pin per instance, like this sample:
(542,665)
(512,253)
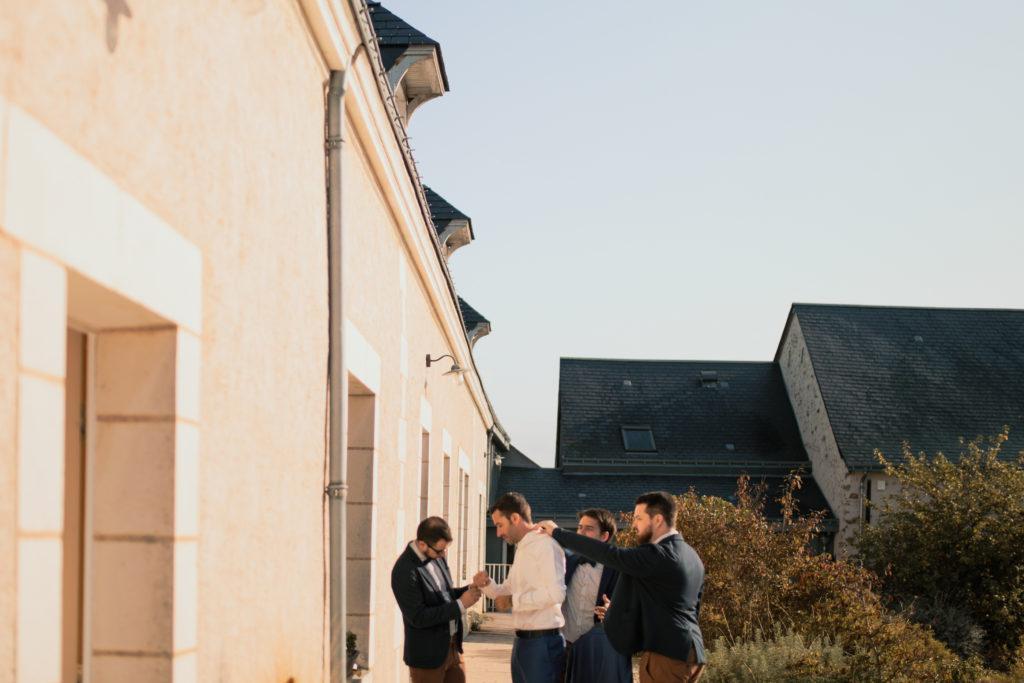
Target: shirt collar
(661,538)
(415,549)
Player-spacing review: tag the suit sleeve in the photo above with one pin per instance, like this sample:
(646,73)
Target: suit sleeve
(405,586)
(638,562)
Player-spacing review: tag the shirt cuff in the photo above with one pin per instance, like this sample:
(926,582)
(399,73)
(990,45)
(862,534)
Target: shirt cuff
(462,608)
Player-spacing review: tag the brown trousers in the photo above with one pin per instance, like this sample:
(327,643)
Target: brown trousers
(452,671)
(657,668)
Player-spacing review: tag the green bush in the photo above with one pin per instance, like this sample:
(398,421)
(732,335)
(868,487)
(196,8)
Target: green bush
(761,576)
(955,531)
(786,656)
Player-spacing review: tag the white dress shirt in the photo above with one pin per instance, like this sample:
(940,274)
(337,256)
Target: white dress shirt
(580,600)
(661,538)
(536,582)
(435,573)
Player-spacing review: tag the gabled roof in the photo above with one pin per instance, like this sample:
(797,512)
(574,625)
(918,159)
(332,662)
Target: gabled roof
(470,316)
(442,212)
(926,375)
(516,459)
(735,414)
(552,493)
(395,35)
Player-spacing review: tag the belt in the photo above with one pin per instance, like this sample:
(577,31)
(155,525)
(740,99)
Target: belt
(537,634)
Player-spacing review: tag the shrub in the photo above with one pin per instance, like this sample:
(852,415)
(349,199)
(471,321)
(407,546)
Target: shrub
(786,656)
(956,530)
(761,576)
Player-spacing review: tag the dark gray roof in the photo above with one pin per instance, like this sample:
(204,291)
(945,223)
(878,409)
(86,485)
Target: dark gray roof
(470,316)
(516,459)
(394,35)
(552,493)
(743,418)
(442,212)
(926,375)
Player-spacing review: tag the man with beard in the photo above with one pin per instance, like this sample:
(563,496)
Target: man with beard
(656,604)
(536,584)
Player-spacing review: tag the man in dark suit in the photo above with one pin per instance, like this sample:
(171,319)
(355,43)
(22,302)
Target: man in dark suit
(656,603)
(432,608)
(589,657)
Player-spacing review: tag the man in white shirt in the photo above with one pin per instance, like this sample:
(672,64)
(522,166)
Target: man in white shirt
(536,584)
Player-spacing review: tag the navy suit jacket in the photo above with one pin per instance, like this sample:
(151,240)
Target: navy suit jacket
(425,611)
(656,604)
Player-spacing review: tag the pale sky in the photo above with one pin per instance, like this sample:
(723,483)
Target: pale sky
(663,179)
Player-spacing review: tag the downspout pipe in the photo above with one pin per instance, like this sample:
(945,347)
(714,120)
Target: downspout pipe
(337,488)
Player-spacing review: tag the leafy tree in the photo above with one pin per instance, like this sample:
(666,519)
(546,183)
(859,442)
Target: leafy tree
(949,546)
(761,578)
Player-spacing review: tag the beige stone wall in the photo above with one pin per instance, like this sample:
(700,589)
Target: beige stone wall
(209,116)
(9,294)
(402,327)
(841,489)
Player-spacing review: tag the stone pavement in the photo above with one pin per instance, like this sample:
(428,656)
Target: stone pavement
(489,650)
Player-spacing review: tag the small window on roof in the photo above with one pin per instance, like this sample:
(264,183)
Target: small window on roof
(709,378)
(638,439)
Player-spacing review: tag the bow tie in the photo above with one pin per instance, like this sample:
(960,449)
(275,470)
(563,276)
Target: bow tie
(584,560)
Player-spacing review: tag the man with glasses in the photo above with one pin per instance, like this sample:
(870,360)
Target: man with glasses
(432,607)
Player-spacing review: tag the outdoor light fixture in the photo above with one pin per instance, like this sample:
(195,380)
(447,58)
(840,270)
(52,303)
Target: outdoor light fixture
(456,369)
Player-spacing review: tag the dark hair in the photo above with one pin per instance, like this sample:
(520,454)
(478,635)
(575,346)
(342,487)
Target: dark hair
(433,529)
(660,503)
(605,520)
(512,502)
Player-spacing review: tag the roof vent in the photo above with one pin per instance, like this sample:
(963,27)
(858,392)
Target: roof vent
(708,378)
(919,339)
(730,446)
(582,495)
(627,382)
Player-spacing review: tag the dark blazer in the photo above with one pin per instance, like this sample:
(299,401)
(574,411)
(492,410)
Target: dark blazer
(424,610)
(606,586)
(656,604)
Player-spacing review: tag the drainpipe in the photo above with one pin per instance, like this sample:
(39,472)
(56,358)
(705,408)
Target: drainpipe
(337,489)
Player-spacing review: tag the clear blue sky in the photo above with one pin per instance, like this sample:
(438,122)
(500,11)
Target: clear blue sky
(662,179)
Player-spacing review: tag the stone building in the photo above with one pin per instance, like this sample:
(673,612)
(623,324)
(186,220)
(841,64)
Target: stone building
(846,380)
(167,253)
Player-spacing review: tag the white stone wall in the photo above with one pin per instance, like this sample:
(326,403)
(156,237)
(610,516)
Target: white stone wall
(841,488)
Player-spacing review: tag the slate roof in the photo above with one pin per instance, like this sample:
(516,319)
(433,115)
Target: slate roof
(470,316)
(554,494)
(927,375)
(748,409)
(516,459)
(394,35)
(442,212)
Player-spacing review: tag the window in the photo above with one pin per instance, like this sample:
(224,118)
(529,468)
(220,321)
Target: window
(638,439)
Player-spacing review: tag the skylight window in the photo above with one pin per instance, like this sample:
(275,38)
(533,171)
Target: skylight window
(708,378)
(638,439)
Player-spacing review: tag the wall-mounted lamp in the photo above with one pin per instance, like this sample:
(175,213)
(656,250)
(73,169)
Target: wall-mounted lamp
(456,369)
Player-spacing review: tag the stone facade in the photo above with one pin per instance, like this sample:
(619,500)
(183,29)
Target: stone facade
(162,197)
(845,490)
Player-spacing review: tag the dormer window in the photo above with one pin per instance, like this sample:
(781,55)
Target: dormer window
(454,228)
(638,439)
(411,58)
(709,378)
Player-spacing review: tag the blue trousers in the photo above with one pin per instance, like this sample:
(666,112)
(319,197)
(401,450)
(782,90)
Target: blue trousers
(538,660)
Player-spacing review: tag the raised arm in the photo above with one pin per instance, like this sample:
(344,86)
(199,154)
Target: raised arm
(638,562)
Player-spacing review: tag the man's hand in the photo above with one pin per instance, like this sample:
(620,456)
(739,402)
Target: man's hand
(481,579)
(470,596)
(503,603)
(602,610)
(547,526)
